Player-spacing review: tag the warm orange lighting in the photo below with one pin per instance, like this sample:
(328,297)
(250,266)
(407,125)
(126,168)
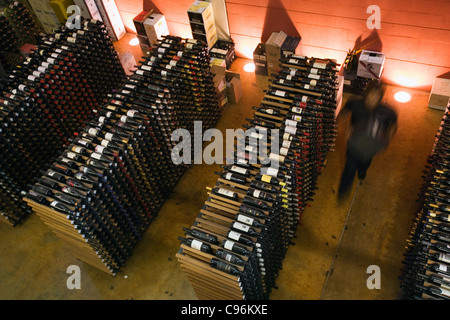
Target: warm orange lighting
(402,96)
(249,67)
(134,42)
(406,81)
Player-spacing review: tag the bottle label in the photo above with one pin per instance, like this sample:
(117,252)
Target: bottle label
(51,173)
(161,50)
(51,60)
(276,157)
(272,172)
(42,69)
(71,155)
(314,70)
(297,110)
(140,72)
(250,149)
(269,111)
(256,135)
(54,203)
(239,170)
(234,235)
(123,118)
(58,50)
(444,257)
(96,155)
(290,130)
(241,226)
(31,78)
(266,178)
(319,65)
(131,113)
(292,61)
(245,219)
(293,72)
(297,118)
(163,72)
(286,144)
(306,86)
(290,123)
(284,151)
(45,64)
(109,136)
(287,137)
(101,119)
(226,192)
(228,176)
(77,149)
(99,149)
(442,267)
(289,77)
(280,93)
(228,257)
(313,82)
(168,66)
(228,244)
(173,62)
(281,81)
(196,244)
(92,131)
(54,55)
(305,99)
(105,143)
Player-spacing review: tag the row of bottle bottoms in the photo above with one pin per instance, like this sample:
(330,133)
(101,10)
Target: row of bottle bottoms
(45,99)
(426,272)
(117,171)
(235,248)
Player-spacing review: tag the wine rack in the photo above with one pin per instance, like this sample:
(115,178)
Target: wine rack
(236,245)
(45,99)
(17,28)
(426,270)
(108,185)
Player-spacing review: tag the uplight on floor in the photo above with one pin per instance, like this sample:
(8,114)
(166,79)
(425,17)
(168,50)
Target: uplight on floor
(249,67)
(134,42)
(402,96)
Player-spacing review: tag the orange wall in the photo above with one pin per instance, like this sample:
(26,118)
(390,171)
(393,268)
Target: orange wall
(414,34)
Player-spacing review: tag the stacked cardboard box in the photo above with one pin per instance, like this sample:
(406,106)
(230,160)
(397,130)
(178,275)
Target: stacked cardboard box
(440,93)
(203,25)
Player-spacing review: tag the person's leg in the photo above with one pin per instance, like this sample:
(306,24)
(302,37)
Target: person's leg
(348,175)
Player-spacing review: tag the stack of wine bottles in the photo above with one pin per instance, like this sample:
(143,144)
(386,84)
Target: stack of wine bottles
(17,27)
(426,271)
(235,247)
(43,102)
(107,187)
(224,50)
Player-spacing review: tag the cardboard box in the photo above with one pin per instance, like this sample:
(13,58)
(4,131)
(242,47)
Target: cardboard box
(60,9)
(234,87)
(260,59)
(218,66)
(155,27)
(88,9)
(201,20)
(111,18)
(273,45)
(370,64)
(440,93)
(138,22)
(290,45)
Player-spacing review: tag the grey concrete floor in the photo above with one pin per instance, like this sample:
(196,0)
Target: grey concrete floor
(335,243)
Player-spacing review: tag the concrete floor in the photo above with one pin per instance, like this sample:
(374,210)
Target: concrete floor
(335,243)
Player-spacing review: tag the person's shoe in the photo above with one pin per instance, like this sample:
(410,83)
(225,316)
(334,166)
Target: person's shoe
(361,175)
